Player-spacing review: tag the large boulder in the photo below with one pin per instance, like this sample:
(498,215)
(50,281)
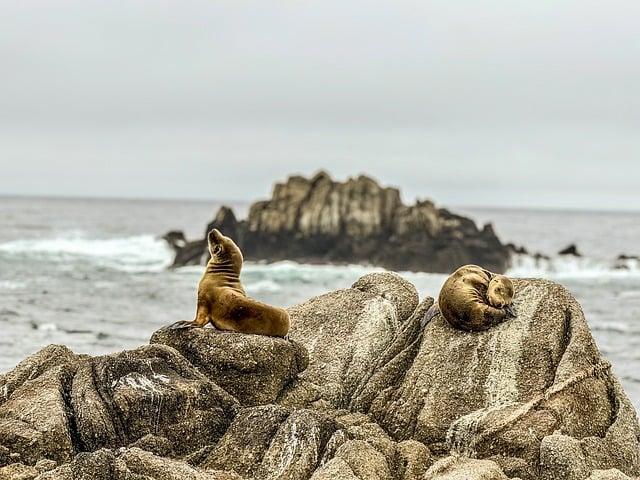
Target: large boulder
(119,398)
(275,442)
(252,368)
(34,409)
(130,464)
(345,332)
(463,468)
(532,394)
(322,220)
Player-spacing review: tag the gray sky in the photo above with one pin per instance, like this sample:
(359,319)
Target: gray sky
(523,103)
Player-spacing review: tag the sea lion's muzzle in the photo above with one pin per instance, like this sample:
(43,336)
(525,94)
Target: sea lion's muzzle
(214,236)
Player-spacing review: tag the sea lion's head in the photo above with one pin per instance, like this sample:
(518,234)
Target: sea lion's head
(500,292)
(224,251)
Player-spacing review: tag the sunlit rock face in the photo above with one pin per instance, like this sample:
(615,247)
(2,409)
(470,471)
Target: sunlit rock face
(356,221)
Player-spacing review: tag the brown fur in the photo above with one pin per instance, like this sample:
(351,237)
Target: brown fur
(475,299)
(222,300)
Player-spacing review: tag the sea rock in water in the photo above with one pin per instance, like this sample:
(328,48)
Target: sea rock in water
(357,221)
(252,368)
(570,250)
(175,239)
(505,394)
(345,332)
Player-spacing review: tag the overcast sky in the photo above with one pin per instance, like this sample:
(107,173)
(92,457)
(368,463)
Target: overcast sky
(511,102)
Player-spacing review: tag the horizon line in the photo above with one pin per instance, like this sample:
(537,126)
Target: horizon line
(540,208)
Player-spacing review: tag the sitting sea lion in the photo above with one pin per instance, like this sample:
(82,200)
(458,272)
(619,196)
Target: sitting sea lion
(222,300)
(474,299)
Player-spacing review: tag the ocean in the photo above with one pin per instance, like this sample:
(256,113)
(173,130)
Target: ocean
(92,273)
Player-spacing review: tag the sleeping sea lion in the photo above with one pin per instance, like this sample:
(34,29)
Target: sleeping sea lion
(475,299)
(222,300)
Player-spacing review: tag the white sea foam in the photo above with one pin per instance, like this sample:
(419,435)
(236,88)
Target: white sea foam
(136,253)
(9,285)
(568,266)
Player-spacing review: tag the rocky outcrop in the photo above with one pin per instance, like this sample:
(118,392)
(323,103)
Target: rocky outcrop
(368,387)
(345,332)
(319,220)
(253,368)
(35,420)
(118,399)
(532,394)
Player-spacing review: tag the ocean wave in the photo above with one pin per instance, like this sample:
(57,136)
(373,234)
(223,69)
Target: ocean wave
(10,285)
(134,254)
(568,266)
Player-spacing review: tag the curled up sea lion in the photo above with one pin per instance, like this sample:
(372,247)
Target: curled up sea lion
(475,299)
(222,300)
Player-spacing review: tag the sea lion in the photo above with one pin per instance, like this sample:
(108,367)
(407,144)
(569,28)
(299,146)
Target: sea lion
(475,299)
(222,300)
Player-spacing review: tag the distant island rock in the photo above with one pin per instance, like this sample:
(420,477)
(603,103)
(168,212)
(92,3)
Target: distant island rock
(320,220)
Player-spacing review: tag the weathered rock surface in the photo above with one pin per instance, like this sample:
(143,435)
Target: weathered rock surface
(386,395)
(462,468)
(131,464)
(119,398)
(345,333)
(357,221)
(532,394)
(252,368)
(34,407)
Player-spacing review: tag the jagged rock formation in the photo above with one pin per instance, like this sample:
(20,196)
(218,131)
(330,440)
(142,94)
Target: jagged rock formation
(319,220)
(363,390)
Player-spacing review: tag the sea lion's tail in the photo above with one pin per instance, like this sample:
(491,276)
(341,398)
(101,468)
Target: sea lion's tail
(181,324)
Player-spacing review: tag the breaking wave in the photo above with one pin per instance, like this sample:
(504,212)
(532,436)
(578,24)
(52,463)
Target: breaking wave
(146,253)
(563,266)
(134,254)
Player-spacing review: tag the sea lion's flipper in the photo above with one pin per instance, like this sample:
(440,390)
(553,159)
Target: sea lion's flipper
(182,324)
(428,316)
(511,311)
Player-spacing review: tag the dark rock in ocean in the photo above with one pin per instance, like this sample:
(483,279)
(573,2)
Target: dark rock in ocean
(386,395)
(175,239)
(517,249)
(253,368)
(626,262)
(319,220)
(570,250)
(192,253)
